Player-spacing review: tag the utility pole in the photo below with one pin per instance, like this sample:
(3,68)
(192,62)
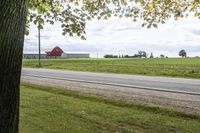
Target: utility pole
(39,57)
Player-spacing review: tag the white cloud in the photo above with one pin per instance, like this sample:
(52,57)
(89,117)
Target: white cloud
(121,36)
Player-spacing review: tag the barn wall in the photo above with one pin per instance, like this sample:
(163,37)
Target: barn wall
(65,55)
(33,56)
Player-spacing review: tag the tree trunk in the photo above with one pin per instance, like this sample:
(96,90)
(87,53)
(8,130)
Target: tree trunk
(12,28)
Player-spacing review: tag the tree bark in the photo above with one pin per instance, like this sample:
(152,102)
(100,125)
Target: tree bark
(12,28)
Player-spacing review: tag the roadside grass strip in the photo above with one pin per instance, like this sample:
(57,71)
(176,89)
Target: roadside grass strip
(53,110)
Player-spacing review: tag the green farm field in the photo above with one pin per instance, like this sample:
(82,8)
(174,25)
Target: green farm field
(173,67)
(52,110)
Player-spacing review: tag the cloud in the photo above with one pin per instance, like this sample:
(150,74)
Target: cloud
(195,31)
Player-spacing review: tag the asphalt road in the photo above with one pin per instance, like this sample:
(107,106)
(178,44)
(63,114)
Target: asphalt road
(173,85)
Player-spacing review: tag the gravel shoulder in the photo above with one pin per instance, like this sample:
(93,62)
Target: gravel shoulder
(180,102)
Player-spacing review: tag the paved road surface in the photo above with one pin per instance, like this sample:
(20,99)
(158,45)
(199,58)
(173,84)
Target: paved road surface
(174,85)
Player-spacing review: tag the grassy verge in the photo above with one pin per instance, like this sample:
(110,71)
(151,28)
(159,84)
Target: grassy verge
(174,67)
(49,110)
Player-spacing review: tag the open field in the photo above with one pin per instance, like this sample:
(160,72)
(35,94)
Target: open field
(174,67)
(50,110)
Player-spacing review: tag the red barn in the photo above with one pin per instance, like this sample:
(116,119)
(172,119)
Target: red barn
(56,52)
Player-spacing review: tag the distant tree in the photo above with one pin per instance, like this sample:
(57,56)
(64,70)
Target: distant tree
(126,56)
(151,56)
(134,56)
(162,56)
(182,53)
(110,56)
(142,54)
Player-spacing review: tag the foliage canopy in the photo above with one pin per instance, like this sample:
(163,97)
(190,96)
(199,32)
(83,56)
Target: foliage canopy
(73,14)
(182,53)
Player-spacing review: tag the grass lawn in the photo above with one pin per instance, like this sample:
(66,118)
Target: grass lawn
(48,110)
(175,67)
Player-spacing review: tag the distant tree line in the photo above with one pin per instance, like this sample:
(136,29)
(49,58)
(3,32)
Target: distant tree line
(140,54)
(143,54)
(111,56)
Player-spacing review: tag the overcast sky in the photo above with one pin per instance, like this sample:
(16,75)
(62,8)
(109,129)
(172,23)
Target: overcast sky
(122,36)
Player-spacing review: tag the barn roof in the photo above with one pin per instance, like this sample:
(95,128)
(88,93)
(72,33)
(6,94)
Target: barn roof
(57,51)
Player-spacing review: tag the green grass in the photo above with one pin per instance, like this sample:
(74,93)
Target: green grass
(50,110)
(174,67)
